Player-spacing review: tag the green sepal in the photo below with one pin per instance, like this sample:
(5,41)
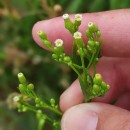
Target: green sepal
(67,59)
(30,87)
(69,25)
(88,34)
(77,23)
(98,33)
(59,50)
(55,56)
(22,88)
(93,28)
(79,43)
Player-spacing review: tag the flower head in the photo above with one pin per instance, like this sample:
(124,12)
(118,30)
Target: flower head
(58,42)
(90,24)
(78,17)
(77,35)
(20,75)
(16,99)
(21,78)
(65,16)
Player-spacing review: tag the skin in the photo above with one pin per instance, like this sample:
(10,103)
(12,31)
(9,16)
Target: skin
(114,67)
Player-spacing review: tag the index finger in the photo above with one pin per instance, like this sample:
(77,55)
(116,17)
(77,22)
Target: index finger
(114,26)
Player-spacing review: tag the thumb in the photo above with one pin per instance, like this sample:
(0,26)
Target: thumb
(96,116)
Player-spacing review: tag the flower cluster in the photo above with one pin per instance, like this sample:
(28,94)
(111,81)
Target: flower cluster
(89,54)
(99,86)
(29,101)
(92,84)
(72,26)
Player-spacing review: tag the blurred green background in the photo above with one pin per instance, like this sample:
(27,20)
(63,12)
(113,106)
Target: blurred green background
(19,53)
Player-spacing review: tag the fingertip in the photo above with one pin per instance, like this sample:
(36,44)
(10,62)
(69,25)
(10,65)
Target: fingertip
(77,118)
(72,96)
(95,116)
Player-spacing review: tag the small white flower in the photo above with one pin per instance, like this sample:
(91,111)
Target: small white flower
(77,35)
(78,17)
(16,99)
(20,75)
(65,16)
(58,42)
(90,24)
(39,111)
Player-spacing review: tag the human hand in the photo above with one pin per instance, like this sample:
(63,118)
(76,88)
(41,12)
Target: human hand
(114,67)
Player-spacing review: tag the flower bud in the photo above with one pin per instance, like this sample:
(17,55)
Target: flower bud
(22,88)
(60,59)
(80,51)
(30,87)
(97,79)
(52,101)
(47,43)
(97,43)
(92,27)
(55,56)
(98,33)
(42,35)
(91,43)
(96,88)
(37,100)
(68,24)
(105,86)
(88,34)
(67,59)
(24,109)
(39,114)
(21,78)
(108,87)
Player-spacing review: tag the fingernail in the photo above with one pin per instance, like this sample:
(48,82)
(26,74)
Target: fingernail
(80,119)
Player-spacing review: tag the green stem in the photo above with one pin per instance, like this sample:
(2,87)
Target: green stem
(94,70)
(52,109)
(91,61)
(35,110)
(77,66)
(72,66)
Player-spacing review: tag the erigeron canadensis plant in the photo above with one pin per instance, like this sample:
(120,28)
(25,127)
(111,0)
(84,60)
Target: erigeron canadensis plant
(92,85)
(28,100)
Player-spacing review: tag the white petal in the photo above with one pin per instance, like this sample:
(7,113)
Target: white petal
(77,35)
(78,17)
(65,16)
(58,42)
(90,24)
